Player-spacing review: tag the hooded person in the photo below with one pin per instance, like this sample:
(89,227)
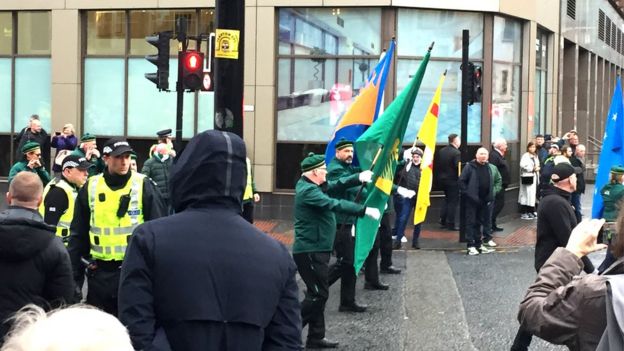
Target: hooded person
(205,278)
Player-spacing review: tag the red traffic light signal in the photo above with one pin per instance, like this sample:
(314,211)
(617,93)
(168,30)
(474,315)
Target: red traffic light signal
(192,65)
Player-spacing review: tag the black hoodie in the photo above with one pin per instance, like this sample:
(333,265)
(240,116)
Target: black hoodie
(34,264)
(204,278)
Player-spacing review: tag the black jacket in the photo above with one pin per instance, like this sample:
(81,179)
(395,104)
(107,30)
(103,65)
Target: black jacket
(469,184)
(446,164)
(204,278)
(159,172)
(580,178)
(555,221)
(42,138)
(499,161)
(34,265)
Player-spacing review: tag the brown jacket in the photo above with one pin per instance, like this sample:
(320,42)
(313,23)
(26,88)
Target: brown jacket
(564,308)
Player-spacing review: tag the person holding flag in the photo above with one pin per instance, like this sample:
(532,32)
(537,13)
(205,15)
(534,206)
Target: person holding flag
(408,177)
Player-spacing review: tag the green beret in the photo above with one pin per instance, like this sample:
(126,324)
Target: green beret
(617,169)
(87,137)
(342,143)
(311,162)
(30,146)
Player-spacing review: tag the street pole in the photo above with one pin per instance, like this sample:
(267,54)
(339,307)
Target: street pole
(464,127)
(229,57)
(181,37)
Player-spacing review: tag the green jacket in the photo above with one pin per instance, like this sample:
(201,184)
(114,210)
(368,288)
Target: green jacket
(497,180)
(158,171)
(315,223)
(22,166)
(337,170)
(97,162)
(612,194)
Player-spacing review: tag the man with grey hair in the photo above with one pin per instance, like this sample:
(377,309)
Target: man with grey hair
(578,160)
(34,264)
(36,133)
(497,158)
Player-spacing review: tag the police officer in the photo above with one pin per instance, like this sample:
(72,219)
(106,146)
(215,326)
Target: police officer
(31,162)
(612,193)
(164,137)
(315,226)
(108,208)
(59,196)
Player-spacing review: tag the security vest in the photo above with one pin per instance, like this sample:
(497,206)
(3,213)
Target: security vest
(62,227)
(108,233)
(248,194)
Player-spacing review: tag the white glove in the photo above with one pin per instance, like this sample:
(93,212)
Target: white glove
(366,176)
(373,213)
(406,192)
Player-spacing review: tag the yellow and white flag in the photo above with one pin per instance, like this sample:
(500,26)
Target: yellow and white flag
(427,135)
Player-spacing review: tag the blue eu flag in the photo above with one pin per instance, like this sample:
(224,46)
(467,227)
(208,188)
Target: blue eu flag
(612,152)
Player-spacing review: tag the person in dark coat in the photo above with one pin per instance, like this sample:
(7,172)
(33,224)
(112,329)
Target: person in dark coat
(205,278)
(578,160)
(34,264)
(65,143)
(497,158)
(447,175)
(157,168)
(407,176)
(37,134)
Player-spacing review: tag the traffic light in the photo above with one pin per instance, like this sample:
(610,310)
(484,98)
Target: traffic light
(192,64)
(161,60)
(477,92)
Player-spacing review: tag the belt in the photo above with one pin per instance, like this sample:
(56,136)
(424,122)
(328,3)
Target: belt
(108,265)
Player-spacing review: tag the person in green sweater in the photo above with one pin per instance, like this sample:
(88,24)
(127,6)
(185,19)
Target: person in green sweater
(315,229)
(88,149)
(31,162)
(612,194)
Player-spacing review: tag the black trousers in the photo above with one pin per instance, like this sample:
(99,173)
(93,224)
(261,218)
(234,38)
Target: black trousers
(499,202)
(103,285)
(385,241)
(477,217)
(248,211)
(451,201)
(343,269)
(371,269)
(313,269)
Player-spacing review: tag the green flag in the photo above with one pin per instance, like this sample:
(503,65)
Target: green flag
(379,148)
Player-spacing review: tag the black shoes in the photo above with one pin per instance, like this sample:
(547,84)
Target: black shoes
(396,245)
(390,270)
(321,344)
(497,229)
(353,307)
(376,286)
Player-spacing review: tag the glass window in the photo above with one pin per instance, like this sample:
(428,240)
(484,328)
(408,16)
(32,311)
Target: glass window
(342,31)
(450,105)
(33,30)
(507,40)
(32,98)
(150,110)
(417,28)
(5,95)
(104,96)
(106,33)
(505,101)
(6,33)
(205,114)
(147,22)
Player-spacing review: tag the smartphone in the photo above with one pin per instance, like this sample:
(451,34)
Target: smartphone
(57,133)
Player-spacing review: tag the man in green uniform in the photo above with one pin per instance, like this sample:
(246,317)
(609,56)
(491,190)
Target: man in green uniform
(31,162)
(612,195)
(315,227)
(88,149)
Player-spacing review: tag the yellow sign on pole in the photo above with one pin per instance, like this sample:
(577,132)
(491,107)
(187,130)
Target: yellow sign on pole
(227,44)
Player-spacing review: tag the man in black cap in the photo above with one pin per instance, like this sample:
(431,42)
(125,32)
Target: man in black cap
(555,221)
(59,196)
(164,137)
(108,208)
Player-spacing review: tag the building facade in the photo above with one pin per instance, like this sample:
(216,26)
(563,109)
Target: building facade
(548,67)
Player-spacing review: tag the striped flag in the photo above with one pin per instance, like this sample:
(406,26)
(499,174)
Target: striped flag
(427,135)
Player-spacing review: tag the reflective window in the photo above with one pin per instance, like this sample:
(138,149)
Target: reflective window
(32,98)
(420,27)
(205,113)
(540,120)
(449,114)
(147,22)
(106,32)
(6,33)
(33,30)
(104,96)
(5,95)
(150,110)
(506,79)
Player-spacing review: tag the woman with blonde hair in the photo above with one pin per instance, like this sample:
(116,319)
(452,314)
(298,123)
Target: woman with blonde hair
(64,142)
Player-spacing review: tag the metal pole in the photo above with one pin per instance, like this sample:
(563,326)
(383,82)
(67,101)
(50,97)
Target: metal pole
(228,75)
(464,127)
(181,37)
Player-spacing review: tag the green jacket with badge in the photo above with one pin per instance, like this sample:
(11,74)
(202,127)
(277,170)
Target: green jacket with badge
(612,194)
(315,223)
(337,170)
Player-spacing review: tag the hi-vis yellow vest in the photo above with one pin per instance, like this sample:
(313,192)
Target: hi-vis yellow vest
(109,234)
(248,194)
(62,228)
